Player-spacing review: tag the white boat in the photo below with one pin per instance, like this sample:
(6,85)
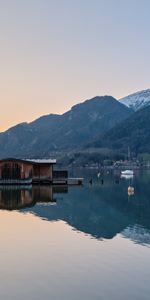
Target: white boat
(127,176)
(127,172)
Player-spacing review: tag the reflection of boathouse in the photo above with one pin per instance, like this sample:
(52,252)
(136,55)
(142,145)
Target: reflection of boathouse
(17,171)
(16,197)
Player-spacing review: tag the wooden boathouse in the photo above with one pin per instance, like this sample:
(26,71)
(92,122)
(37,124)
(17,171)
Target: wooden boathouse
(15,171)
(26,171)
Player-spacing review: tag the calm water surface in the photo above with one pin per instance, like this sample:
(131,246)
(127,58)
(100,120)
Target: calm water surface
(90,242)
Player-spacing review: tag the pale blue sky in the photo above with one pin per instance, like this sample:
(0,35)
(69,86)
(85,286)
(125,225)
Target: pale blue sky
(55,53)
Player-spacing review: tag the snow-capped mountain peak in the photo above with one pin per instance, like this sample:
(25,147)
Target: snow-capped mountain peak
(137,100)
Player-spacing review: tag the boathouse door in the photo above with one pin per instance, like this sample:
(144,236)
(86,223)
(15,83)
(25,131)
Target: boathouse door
(11,171)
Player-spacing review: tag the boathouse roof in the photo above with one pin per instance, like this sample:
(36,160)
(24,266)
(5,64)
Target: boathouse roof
(32,161)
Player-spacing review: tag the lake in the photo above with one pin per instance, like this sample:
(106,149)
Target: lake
(82,242)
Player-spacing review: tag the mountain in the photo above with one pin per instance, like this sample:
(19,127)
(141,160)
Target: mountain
(71,130)
(134,132)
(137,100)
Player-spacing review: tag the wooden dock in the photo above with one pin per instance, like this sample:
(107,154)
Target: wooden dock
(68,181)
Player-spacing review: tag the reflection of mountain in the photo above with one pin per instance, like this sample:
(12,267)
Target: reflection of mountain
(101,210)
(89,215)
(138,234)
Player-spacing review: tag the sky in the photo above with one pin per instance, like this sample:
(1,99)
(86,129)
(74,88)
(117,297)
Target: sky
(56,53)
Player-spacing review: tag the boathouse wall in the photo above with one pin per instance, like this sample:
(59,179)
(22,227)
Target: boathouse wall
(43,172)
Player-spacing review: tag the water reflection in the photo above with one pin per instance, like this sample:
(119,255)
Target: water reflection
(102,211)
(16,198)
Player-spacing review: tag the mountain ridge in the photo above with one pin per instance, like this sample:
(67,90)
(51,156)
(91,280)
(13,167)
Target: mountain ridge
(71,130)
(137,100)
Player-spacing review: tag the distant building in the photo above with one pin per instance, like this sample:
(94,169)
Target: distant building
(26,171)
